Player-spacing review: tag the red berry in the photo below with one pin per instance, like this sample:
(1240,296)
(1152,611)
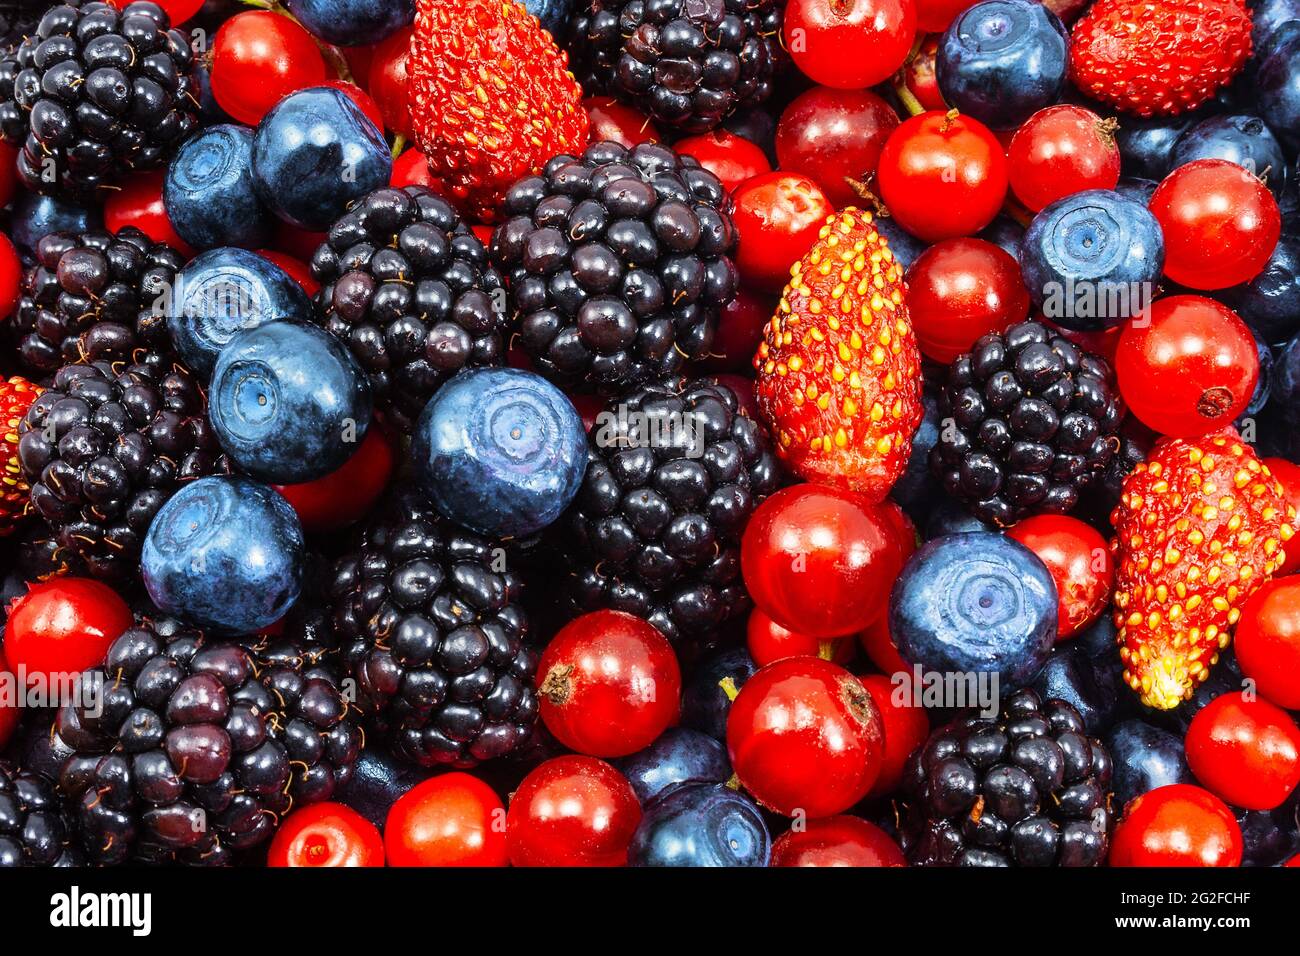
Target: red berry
(611,120)
(836,841)
(1188,368)
(934,16)
(326,835)
(1176,825)
(1245,751)
(906,727)
(942,175)
(1220,224)
(834,136)
(921,80)
(138,202)
(450,820)
(769,642)
(1268,641)
(388,81)
(1080,563)
(11,277)
(961,289)
(362,100)
(740,329)
(1059,151)
(849,44)
(820,560)
(778,217)
(348,493)
(63,626)
(294,268)
(609,684)
(8,172)
(1288,474)
(733,159)
(412,169)
(572,811)
(178,11)
(880,648)
(10,712)
(299,243)
(258,58)
(805,737)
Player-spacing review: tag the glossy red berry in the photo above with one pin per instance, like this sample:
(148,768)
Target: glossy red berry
(836,841)
(834,137)
(934,16)
(326,835)
(820,560)
(8,172)
(10,712)
(299,243)
(346,494)
(1288,475)
(11,277)
(740,329)
(451,820)
(733,159)
(1268,641)
(906,727)
(778,217)
(1220,223)
(1060,151)
(849,44)
(805,738)
(388,81)
(1176,825)
(63,626)
(942,175)
(138,201)
(572,811)
(362,100)
(1245,751)
(961,289)
(879,646)
(1079,561)
(920,79)
(294,268)
(768,642)
(258,58)
(1188,368)
(609,684)
(618,122)
(178,11)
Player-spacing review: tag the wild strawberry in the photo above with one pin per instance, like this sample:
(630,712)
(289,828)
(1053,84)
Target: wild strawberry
(1160,57)
(16,396)
(491,98)
(839,373)
(1199,527)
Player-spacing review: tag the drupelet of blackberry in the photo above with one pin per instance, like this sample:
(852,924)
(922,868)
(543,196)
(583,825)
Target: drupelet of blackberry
(34,830)
(104,447)
(408,286)
(96,93)
(432,631)
(189,749)
(676,471)
(1028,788)
(688,63)
(618,263)
(95,296)
(1028,422)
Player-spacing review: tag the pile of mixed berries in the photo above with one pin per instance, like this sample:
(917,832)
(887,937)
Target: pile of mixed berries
(650,432)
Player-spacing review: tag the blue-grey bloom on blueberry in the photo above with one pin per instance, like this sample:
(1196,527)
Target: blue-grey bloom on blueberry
(552,14)
(352,22)
(209,192)
(701,824)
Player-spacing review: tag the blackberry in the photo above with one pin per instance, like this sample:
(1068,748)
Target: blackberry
(432,632)
(96,296)
(15,24)
(618,264)
(187,749)
(1029,788)
(676,471)
(33,828)
(1034,424)
(408,286)
(104,447)
(96,93)
(688,63)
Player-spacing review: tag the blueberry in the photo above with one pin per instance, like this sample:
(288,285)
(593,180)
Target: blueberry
(288,402)
(975,603)
(1278,88)
(1243,140)
(352,22)
(949,517)
(224,553)
(1003,60)
(35,216)
(705,704)
(917,489)
(1145,757)
(903,245)
(314,153)
(679,756)
(1270,836)
(552,14)
(501,451)
(1284,383)
(1136,188)
(1270,302)
(1268,17)
(1071,675)
(209,192)
(1091,260)
(210,111)
(1264,384)
(222,292)
(1146,145)
(378,780)
(1005,232)
(701,824)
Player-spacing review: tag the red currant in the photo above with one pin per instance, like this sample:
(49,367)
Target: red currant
(387,82)
(63,626)
(326,835)
(609,684)
(805,737)
(1245,751)
(820,560)
(1188,368)
(178,11)
(942,175)
(880,648)
(299,243)
(1177,825)
(348,493)
(292,267)
(906,728)
(1220,223)
(8,172)
(1059,151)
(740,329)
(450,820)
(778,217)
(11,278)
(849,44)
(412,169)
(834,136)
(1268,641)
(138,201)
(1080,563)
(258,58)
(836,841)
(572,811)
(10,712)
(733,159)
(961,289)
(1288,475)
(618,122)
(768,642)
